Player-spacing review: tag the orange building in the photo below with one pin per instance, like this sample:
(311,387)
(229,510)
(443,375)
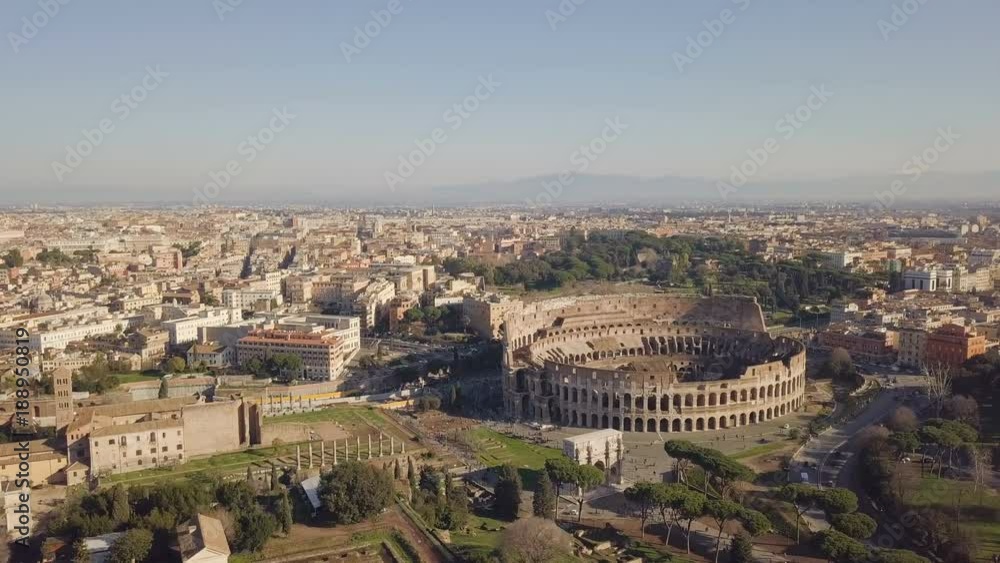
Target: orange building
(953,344)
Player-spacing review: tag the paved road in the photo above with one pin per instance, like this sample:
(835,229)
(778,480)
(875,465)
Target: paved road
(819,458)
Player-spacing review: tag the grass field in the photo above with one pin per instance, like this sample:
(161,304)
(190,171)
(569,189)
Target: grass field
(343,414)
(763,449)
(979,512)
(224,463)
(134,377)
(481,540)
(493,448)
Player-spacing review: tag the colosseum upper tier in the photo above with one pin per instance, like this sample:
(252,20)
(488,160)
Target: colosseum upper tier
(649,363)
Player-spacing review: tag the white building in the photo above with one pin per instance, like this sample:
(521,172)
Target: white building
(186,329)
(248,298)
(929,278)
(346,328)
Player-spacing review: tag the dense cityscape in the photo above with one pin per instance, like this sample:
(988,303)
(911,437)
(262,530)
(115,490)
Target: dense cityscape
(232,382)
(527,281)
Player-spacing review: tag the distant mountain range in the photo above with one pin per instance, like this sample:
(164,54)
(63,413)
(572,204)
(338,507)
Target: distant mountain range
(546,190)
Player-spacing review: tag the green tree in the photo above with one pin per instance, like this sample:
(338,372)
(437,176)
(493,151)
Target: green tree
(838,500)
(643,497)
(284,512)
(668,498)
(121,512)
(163,393)
(176,364)
(721,511)
(586,478)
(543,502)
(80,552)
(839,547)
(133,546)
(508,492)
(803,498)
(352,492)
(562,470)
(253,529)
(857,525)
(741,549)
(13,258)
(689,508)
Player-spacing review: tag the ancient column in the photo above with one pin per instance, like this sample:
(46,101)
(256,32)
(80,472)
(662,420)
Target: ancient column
(322,454)
(380,444)
(358,444)
(392,445)
(310,455)
(298,458)
(369,446)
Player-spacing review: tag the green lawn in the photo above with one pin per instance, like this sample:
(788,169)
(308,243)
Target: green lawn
(134,377)
(480,540)
(225,463)
(980,512)
(762,449)
(341,414)
(493,448)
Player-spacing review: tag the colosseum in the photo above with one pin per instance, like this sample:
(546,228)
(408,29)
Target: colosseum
(648,363)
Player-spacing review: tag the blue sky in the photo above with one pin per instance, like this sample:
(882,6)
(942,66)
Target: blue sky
(557,87)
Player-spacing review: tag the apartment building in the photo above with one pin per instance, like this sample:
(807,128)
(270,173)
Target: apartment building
(246,298)
(913,347)
(186,329)
(953,344)
(322,353)
(874,346)
(346,328)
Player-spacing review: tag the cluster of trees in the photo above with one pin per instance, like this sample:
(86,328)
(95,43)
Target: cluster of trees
(840,505)
(842,548)
(438,500)
(99,377)
(284,367)
(150,514)
(189,250)
(943,440)
(436,319)
(721,471)
(353,491)
(704,263)
(13,258)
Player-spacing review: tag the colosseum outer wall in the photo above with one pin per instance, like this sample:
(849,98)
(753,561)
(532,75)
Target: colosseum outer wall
(549,380)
